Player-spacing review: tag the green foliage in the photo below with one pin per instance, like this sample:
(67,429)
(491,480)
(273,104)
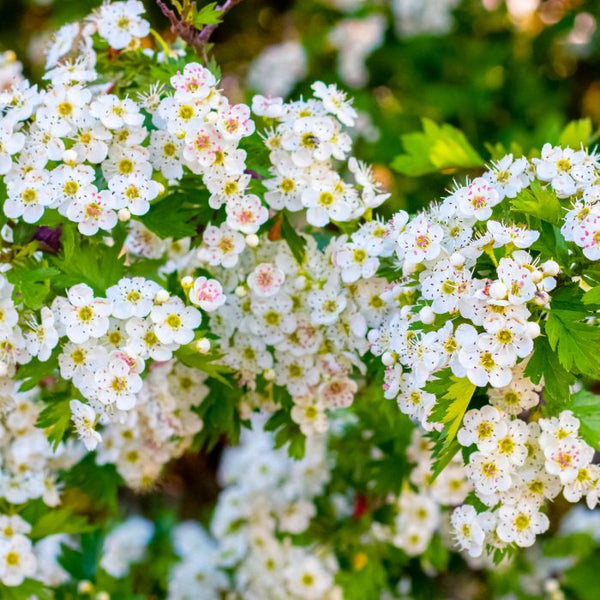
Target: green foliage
(32,283)
(437,148)
(100,483)
(87,261)
(207,15)
(574,340)
(35,370)
(453,395)
(207,363)
(544,363)
(26,591)
(296,242)
(55,418)
(60,520)
(576,134)
(540,202)
(586,407)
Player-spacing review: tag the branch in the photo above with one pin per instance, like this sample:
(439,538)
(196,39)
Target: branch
(194,37)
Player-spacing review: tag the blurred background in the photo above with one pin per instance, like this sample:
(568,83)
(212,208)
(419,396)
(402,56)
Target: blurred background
(503,71)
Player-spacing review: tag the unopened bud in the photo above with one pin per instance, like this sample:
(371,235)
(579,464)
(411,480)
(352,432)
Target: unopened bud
(426,315)
(85,587)
(537,276)
(457,260)
(252,240)
(300,282)
(241,291)
(269,374)
(533,329)
(550,267)
(388,359)
(187,283)
(498,290)
(124,215)
(161,296)
(202,345)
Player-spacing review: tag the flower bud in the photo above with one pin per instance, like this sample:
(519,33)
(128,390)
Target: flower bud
(85,587)
(269,374)
(161,296)
(102,596)
(541,298)
(187,283)
(550,267)
(537,276)
(426,315)
(532,329)
(241,291)
(498,290)
(300,282)
(202,345)
(388,359)
(124,215)
(457,260)
(252,240)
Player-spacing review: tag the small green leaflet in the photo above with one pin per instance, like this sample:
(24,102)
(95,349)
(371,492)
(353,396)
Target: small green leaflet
(545,363)
(27,590)
(574,340)
(56,417)
(296,243)
(540,202)
(32,284)
(586,407)
(207,15)
(453,395)
(576,133)
(436,148)
(61,520)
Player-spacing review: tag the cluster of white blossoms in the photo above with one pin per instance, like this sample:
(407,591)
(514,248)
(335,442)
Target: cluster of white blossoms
(421,510)
(515,469)
(266,498)
(268,292)
(470,302)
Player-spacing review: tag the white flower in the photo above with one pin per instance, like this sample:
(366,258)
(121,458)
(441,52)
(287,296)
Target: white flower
(84,316)
(477,199)
(335,102)
(96,213)
(84,419)
(132,297)
(265,280)
(484,427)
(468,529)
(520,524)
(17,561)
(118,384)
(489,474)
(175,322)
(119,23)
(207,294)
(310,415)
(43,338)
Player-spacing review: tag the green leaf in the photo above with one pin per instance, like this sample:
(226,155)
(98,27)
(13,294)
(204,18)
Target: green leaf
(178,214)
(61,520)
(28,589)
(545,363)
(296,242)
(34,371)
(99,482)
(574,341)
(437,148)
(576,133)
(586,407)
(538,201)
(32,283)
(56,418)
(95,264)
(206,363)
(453,395)
(592,296)
(207,15)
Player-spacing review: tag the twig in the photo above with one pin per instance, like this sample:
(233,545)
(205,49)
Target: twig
(196,38)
